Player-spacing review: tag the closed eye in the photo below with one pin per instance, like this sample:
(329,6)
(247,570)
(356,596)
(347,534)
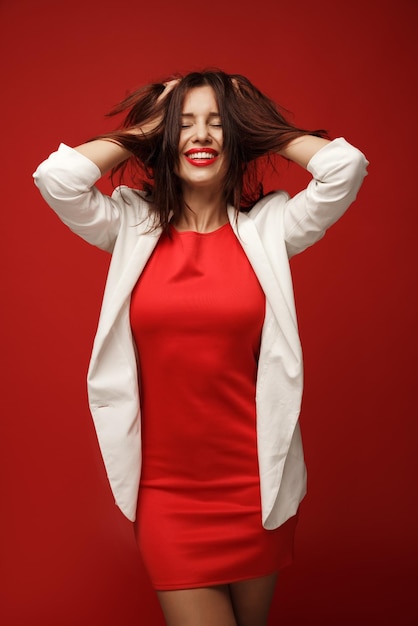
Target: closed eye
(213,119)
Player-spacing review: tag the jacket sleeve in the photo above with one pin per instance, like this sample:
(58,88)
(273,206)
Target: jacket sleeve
(66,181)
(338,170)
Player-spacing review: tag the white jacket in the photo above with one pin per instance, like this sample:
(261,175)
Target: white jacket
(274,230)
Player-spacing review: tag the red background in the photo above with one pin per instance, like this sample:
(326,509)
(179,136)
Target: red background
(68,555)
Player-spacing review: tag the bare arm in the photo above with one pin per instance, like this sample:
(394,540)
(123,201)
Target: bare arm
(105,154)
(302,149)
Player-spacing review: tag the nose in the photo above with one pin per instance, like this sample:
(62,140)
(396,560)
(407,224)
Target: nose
(202,133)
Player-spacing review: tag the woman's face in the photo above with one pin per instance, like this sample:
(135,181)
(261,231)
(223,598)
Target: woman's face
(202,163)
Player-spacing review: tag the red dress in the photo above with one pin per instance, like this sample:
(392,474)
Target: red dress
(197,313)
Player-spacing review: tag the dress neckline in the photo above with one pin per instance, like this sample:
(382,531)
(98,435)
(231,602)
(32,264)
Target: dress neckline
(173,229)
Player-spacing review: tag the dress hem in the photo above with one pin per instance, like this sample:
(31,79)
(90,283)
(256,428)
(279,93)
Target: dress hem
(195,585)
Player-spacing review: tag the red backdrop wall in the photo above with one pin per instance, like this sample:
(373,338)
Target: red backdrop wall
(68,555)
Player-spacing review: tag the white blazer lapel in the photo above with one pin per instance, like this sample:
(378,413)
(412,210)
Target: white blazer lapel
(249,238)
(126,274)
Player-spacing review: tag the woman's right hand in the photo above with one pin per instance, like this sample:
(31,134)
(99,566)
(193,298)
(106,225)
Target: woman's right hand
(169,86)
(150,126)
(107,153)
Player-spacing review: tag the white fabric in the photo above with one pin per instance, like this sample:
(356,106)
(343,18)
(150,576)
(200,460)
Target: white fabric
(274,230)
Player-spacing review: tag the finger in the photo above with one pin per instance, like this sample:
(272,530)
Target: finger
(170,85)
(235,85)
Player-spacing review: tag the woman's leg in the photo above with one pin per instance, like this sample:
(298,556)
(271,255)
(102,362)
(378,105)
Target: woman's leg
(251,600)
(206,606)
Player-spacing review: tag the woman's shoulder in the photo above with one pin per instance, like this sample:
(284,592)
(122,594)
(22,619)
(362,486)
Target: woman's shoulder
(132,201)
(130,196)
(269,204)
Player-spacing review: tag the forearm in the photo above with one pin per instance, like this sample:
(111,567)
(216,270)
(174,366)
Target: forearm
(105,154)
(66,180)
(302,149)
(338,170)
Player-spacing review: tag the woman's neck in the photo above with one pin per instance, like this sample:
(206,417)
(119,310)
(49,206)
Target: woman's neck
(203,212)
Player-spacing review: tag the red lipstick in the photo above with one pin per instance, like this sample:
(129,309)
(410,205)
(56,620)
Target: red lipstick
(201,157)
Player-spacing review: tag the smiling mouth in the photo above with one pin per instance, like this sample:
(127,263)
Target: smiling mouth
(201,157)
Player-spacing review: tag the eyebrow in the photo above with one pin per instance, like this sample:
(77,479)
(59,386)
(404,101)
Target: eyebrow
(193,115)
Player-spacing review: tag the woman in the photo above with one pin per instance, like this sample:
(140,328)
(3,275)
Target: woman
(197,355)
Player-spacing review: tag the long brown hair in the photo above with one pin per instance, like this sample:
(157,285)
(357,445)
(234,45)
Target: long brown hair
(253,128)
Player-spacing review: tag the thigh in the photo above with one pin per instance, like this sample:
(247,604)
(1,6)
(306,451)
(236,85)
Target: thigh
(206,606)
(251,600)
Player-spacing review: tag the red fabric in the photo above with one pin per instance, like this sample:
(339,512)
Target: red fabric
(197,314)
